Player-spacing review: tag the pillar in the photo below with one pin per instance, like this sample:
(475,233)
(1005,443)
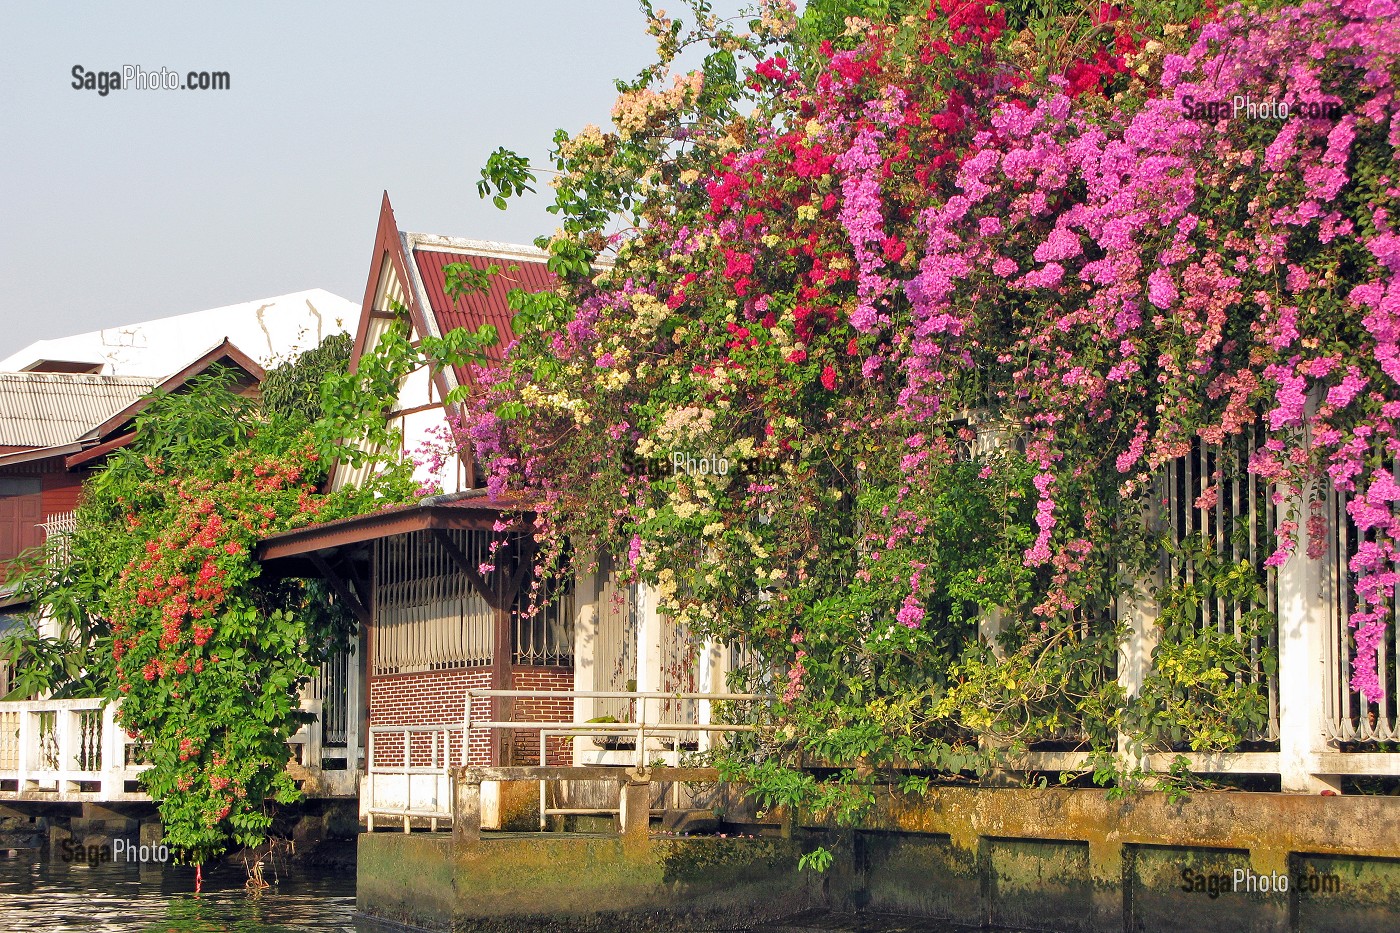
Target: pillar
(1303,616)
(587,586)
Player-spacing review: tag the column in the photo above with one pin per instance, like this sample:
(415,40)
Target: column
(1303,617)
(649,660)
(713,671)
(587,586)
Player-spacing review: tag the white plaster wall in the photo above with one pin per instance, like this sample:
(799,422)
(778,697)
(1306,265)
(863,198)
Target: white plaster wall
(267,329)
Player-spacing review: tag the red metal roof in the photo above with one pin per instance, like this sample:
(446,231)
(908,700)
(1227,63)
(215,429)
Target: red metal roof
(478,308)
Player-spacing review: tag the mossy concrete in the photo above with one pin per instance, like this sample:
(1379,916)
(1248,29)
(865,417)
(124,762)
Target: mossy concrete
(1051,859)
(920,876)
(406,878)
(1035,882)
(561,881)
(1347,895)
(1072,859)
(1158,877)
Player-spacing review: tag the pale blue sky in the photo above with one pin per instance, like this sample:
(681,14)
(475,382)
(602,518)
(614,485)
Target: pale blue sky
(143,204)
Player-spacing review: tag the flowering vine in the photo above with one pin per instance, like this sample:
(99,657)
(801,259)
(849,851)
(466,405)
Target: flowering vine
(948,306)
(206,651)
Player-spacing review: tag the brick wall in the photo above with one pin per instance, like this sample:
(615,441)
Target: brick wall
(434,697)
(429,698)
(527,744)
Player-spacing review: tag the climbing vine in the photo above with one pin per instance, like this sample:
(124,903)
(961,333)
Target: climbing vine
(204,648)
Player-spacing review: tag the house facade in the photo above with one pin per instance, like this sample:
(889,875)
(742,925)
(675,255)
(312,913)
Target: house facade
(445,588)
(43,419)
(60,418)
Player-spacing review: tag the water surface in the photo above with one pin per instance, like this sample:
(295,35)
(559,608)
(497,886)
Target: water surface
(51,897)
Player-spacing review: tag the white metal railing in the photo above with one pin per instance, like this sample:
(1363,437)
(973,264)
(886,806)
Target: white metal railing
(643,726)
(651,732)
(408,773)
(56,532)
(72,749)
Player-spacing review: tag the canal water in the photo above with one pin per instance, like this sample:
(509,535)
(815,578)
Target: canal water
(52,897)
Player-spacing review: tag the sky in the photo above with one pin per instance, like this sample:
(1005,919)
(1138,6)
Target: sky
(147,203)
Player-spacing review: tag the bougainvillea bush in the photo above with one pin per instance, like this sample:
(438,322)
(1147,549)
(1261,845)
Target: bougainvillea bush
(945,292)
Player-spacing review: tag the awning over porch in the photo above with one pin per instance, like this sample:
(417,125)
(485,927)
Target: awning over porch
(472,509)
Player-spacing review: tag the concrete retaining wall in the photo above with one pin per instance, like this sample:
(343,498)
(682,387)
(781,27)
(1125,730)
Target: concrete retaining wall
(1058,860)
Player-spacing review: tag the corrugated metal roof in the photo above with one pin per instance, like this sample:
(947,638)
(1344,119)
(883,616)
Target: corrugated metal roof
(486,307)
(51,409)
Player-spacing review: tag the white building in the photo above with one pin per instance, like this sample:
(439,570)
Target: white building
(269,330)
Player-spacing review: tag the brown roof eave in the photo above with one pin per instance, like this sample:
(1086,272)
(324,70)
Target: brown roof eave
(225,352)
(40,453)
(101,450)
(384,524)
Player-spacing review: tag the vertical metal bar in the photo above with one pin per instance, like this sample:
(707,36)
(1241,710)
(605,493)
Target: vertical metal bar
(1217,478)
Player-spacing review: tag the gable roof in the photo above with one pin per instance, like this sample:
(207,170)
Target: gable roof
(42,410)
(517,269)
(117,430)
(419,262)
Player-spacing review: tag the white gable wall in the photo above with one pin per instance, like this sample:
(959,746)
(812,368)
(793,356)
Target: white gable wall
(418,415)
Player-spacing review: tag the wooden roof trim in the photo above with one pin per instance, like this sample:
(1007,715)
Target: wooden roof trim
(226,351)
(299,542)
(101,450)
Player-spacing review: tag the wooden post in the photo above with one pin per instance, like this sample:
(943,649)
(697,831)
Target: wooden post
(366,655)
(502,653)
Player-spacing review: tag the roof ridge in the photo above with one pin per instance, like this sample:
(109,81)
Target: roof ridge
(42,376)
(486,248)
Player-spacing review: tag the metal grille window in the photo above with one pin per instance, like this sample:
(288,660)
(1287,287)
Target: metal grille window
(1214,505)
(332,687)
(1349,718)
(428,615)
(542,620)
